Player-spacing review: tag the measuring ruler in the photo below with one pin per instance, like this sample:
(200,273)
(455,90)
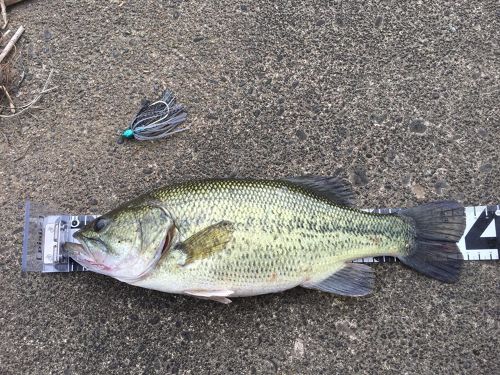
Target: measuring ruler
(46,232)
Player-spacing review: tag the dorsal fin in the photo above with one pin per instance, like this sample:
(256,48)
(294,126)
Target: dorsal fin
(336,189)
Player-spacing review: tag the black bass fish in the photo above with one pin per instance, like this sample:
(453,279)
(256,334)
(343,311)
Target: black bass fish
(225,238)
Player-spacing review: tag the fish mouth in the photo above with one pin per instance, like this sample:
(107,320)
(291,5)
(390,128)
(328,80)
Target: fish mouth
(73,248)
(81,254)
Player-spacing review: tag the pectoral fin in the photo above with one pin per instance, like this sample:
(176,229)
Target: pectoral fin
(207,242)
(353,280)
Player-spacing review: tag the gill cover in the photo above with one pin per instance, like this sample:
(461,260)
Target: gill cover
(125,243)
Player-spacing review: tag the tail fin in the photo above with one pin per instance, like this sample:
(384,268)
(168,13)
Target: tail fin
(438,228)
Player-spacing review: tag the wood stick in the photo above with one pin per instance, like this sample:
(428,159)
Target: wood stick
(4,14)
(11,43)
(12,2)
(4,37)
(3,7)
(11,103)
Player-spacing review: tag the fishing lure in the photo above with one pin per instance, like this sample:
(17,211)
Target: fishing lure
(156,120)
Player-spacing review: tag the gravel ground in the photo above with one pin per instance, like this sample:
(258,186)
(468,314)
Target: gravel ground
(401,97)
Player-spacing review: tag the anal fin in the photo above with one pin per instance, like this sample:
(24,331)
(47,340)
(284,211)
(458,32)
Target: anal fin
(224,300)
(353,280)
(214,295)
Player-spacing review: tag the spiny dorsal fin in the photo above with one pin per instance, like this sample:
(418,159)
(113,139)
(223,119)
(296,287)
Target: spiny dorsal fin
(353,280)
(207,242)
(334,188)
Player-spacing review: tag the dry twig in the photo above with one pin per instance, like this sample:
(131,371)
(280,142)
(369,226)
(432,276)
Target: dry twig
(44,91)
(12,43)
(4,13)
(3,6)
(4,37)
(12,2)
(11,103)
(6,69)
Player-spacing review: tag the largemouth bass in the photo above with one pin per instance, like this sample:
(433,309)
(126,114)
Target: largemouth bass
(225,238)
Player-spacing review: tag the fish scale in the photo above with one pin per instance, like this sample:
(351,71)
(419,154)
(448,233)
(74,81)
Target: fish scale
(284,235)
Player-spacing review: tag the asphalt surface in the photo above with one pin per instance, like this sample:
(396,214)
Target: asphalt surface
(401,97)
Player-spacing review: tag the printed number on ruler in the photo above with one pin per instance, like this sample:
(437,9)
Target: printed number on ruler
(482,233)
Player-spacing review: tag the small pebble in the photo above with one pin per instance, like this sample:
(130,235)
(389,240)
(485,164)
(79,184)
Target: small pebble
(133,317)
(301,134)
(439,186)
(482,132)
(418,190)
(486,168)
(359,177)
(47,35)
(417,126)
(154,320)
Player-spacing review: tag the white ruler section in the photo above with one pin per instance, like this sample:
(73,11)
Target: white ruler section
(481,239)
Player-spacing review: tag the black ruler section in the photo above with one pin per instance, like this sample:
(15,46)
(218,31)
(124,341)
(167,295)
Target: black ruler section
(475,237)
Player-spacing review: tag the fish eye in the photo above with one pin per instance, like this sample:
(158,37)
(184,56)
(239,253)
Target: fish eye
(100,223)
